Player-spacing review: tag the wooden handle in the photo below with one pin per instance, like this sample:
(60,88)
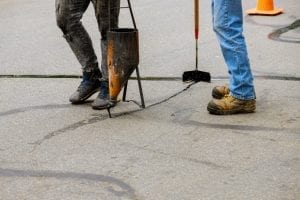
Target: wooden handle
(196,6)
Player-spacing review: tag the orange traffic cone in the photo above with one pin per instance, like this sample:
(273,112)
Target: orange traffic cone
(264,7)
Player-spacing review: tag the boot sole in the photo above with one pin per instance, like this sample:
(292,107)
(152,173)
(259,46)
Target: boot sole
(229,112)
(109,105)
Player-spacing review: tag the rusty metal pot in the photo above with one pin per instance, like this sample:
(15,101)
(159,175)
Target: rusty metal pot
(122,57)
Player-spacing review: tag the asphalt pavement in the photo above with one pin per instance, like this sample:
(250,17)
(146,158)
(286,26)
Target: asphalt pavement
(171,150)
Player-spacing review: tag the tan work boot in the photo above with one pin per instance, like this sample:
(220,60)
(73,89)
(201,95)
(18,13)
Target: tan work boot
(219,92)
(230,105)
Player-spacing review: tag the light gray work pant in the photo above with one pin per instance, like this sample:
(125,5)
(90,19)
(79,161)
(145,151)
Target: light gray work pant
(68,16)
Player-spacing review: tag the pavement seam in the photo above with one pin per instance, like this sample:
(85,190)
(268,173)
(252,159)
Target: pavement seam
(145,78)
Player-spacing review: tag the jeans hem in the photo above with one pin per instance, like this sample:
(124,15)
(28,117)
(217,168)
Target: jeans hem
(247,98)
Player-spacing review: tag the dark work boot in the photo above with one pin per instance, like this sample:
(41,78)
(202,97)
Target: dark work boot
(102,100)
(89,85)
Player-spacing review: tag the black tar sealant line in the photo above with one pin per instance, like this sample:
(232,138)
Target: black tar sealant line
(276,35)
(124,191)
(150,78)
(99,118)
(279,30)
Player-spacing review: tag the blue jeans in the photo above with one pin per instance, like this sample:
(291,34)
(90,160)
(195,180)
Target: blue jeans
(228,26)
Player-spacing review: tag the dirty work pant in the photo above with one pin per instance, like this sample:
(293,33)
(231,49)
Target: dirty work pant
(228,26)
(68,16)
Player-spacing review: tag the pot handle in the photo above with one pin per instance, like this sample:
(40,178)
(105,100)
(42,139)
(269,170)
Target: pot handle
(130,9)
